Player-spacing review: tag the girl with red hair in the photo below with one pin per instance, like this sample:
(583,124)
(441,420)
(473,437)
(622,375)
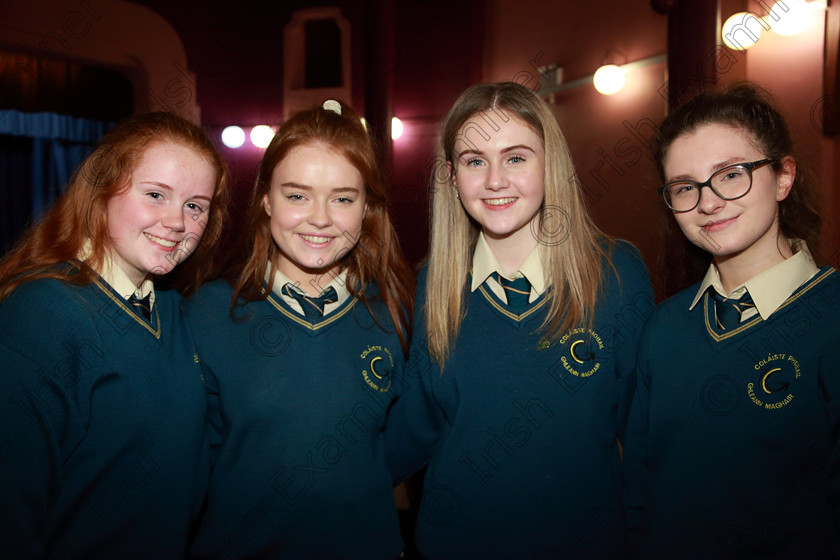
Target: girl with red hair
(304,345)
(103,451)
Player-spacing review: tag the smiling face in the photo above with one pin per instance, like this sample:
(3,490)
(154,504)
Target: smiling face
(157,221)
(501,182)
(746,229)
(316,203)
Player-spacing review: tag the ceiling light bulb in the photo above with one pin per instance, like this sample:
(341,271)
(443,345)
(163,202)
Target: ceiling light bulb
(233,137)
(608,79)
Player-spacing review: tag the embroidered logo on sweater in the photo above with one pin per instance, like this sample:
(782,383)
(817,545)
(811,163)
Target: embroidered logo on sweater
(772,380)
(378,367)
(579,348)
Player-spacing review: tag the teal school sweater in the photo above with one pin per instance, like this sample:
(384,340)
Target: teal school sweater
(299,410)
(521,434)
(732,450)
(103,449)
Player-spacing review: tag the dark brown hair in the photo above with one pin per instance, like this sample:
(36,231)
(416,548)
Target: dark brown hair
(750,108)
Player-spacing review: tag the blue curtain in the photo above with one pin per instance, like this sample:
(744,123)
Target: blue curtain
(38,154)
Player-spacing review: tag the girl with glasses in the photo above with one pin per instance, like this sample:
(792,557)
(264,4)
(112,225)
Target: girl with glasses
(521,366)
(732,447)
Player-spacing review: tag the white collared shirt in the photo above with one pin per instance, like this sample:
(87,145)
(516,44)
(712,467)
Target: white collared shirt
(338,282)
(768,289)
(115,277)
(485,264)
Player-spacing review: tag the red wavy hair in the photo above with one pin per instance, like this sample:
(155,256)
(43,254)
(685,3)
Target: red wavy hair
(375,259)
(80,214)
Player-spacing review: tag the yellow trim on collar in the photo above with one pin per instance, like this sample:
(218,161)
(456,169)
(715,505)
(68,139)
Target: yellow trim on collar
(506,312)
(119,301)
(755,320)
(303,322)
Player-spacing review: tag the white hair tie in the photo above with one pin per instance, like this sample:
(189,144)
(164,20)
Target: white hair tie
(332,105)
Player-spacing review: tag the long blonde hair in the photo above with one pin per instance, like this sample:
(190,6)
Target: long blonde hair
(572,248)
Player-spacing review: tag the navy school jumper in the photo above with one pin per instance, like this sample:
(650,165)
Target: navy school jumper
(299,408)
(732,448)
(521,432)
(103,449)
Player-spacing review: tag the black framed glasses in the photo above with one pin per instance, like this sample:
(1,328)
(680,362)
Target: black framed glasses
(729,183)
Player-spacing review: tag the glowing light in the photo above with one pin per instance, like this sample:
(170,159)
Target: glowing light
(608,79)
(396,128)
(741,31)
(261,135)
(789,17)
(233,137)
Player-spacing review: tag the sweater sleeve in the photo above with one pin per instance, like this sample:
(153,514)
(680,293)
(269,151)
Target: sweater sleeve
(215,424)
(29,456)
(415,420)
(636,448)
(201,323)
(42,416)
(830,381)
(637,304)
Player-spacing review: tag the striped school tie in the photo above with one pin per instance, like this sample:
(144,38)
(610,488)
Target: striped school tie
(517,292)
(142,306)
(728,311)
(313,307)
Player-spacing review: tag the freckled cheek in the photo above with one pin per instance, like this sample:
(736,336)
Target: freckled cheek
(285,219)
(196,223)
(350,219)
(143,217)
(115,218)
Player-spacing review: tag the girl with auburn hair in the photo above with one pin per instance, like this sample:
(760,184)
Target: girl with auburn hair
(733,448)
(303,346)
(98,366)
(522,439)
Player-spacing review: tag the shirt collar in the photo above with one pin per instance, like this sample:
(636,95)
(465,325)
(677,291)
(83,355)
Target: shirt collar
(338,282)
(768,289)
(485,264)
(115,277)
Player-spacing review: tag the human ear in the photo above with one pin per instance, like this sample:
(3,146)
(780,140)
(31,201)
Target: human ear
(785,178)
(266,204)
(453,178)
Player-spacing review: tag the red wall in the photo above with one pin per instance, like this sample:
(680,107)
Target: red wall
(608,135)
(442,47)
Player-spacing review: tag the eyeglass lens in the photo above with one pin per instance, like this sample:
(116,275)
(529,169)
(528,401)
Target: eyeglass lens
(729,183)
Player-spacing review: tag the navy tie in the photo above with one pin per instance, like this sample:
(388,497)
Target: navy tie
(517,292)
(313,307)
(728,311)
(143,306)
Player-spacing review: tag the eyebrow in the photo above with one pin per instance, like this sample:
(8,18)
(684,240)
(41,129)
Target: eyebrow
(716,167)
(170,189)
(504,150)
(293,185)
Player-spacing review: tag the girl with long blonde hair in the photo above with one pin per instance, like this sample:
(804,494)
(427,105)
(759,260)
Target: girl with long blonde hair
(522,361)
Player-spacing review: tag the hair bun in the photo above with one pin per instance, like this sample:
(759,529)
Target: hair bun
(332,105)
